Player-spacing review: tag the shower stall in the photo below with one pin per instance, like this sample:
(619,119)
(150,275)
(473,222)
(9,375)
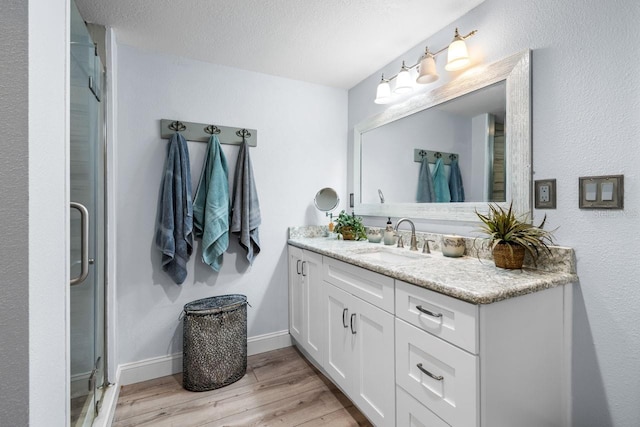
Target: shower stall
(87,226)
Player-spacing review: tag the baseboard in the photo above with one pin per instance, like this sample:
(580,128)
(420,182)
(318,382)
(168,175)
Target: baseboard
(156,367)
(80,384)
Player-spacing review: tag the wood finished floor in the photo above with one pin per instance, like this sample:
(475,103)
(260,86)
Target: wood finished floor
(281,388)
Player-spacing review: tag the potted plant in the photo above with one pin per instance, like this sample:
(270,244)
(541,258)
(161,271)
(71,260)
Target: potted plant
(350,226)
(510,236)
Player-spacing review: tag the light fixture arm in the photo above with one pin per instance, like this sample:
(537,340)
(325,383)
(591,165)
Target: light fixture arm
(456,36)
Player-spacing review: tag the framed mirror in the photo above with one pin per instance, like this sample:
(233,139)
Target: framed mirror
(482,119)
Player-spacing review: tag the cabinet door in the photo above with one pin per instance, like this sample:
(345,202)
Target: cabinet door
(338,355)
(313,312)
(374,383)
(296,294)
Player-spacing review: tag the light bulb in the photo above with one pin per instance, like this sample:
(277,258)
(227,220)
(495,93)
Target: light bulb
(457,55)
(403,81)
(383,93)
(428,72)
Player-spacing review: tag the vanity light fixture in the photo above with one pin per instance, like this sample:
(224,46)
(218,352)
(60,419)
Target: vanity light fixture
(457,59)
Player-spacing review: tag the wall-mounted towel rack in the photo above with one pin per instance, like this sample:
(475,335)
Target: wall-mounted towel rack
(419,154)
(201,132)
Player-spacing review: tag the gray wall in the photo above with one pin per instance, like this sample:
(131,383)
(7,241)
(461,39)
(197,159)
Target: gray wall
(301,135)
(586,109)
(14,282)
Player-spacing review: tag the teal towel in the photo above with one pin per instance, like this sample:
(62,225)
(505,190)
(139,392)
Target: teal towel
(426,192)
(455,182)
(440,183)
(174,219)
(245,216)
(211,206)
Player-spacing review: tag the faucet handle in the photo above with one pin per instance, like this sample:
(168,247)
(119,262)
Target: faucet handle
(400,243)
(426,249)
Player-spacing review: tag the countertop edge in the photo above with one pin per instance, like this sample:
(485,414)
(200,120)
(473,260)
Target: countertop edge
(546,280)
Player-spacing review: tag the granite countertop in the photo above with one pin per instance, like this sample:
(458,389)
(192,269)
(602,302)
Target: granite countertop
(467,278)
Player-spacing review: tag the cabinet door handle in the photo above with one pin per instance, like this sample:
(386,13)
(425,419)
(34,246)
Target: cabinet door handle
(303,264)
(353,331)
(425,311)
(344,314)
(298,266)
(435,377)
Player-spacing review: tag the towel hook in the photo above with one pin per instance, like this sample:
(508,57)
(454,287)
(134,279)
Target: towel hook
(212,130)
(423,153)
(438,154)
(177,126)
(453,156)
(243,133)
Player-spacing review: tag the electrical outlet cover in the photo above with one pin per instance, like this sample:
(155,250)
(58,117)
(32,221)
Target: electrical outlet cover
(545,194)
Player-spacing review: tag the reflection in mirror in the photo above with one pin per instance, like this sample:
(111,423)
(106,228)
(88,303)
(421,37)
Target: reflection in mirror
(469,129)
(481,120)
(326,199)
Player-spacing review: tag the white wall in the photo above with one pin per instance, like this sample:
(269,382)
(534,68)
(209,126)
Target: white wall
(14,260)
(48,214)
(586,103)
(301,148)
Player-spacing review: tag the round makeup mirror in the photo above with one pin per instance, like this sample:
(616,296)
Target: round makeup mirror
(326,199)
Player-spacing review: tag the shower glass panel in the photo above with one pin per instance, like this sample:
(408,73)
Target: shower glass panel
(87,253)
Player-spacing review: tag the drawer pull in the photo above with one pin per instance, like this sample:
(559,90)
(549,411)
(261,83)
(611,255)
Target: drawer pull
(344,321)
(298,266)
(353,331)
(425,311)
(435,377)
(303,264)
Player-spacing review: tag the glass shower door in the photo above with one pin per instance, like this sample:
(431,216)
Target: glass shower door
(87,254)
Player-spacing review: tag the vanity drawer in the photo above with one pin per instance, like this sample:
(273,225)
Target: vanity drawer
(410,412)
(367,285)
(441,376)
(443,316)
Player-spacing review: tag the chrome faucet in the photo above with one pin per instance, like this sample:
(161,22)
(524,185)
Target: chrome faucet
(414,242)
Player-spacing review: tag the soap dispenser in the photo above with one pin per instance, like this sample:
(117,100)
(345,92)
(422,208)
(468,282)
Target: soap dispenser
(389,235)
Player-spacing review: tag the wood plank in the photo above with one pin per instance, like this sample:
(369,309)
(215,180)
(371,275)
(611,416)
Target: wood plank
(343,417)
(285,412)
(228,402)
(281,388)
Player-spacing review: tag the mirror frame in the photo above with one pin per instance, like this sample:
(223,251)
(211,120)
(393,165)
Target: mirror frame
(516,71)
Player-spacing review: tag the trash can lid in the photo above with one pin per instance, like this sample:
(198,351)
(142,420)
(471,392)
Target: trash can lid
(215,304)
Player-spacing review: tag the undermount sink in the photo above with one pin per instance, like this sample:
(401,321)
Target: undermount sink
(391,255)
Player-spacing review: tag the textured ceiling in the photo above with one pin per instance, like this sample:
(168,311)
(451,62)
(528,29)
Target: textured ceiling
(331,42)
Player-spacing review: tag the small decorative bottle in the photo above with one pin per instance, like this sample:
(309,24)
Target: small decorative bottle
(389,235)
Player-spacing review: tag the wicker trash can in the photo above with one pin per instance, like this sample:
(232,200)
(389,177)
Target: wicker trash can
(214,342)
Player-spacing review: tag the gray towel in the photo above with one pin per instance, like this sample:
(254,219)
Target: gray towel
(245,210)
(426,191)
(211,206)
(455,182)
(174,220)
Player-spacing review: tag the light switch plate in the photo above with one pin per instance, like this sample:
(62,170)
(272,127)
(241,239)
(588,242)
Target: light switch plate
(601,192)
(545,194)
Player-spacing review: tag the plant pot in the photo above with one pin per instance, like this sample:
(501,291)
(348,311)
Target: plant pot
(347,233)
(508,256)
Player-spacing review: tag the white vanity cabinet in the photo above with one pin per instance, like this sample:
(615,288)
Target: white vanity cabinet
(408,356)
(495,365)
(306,313)
(359,355)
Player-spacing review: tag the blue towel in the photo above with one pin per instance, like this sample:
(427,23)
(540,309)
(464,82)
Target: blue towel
(245,212)
(211,206)
(440,183)
(455,182)
(426,192)
(174,220)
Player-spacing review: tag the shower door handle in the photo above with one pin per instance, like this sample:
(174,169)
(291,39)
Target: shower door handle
(84,243)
